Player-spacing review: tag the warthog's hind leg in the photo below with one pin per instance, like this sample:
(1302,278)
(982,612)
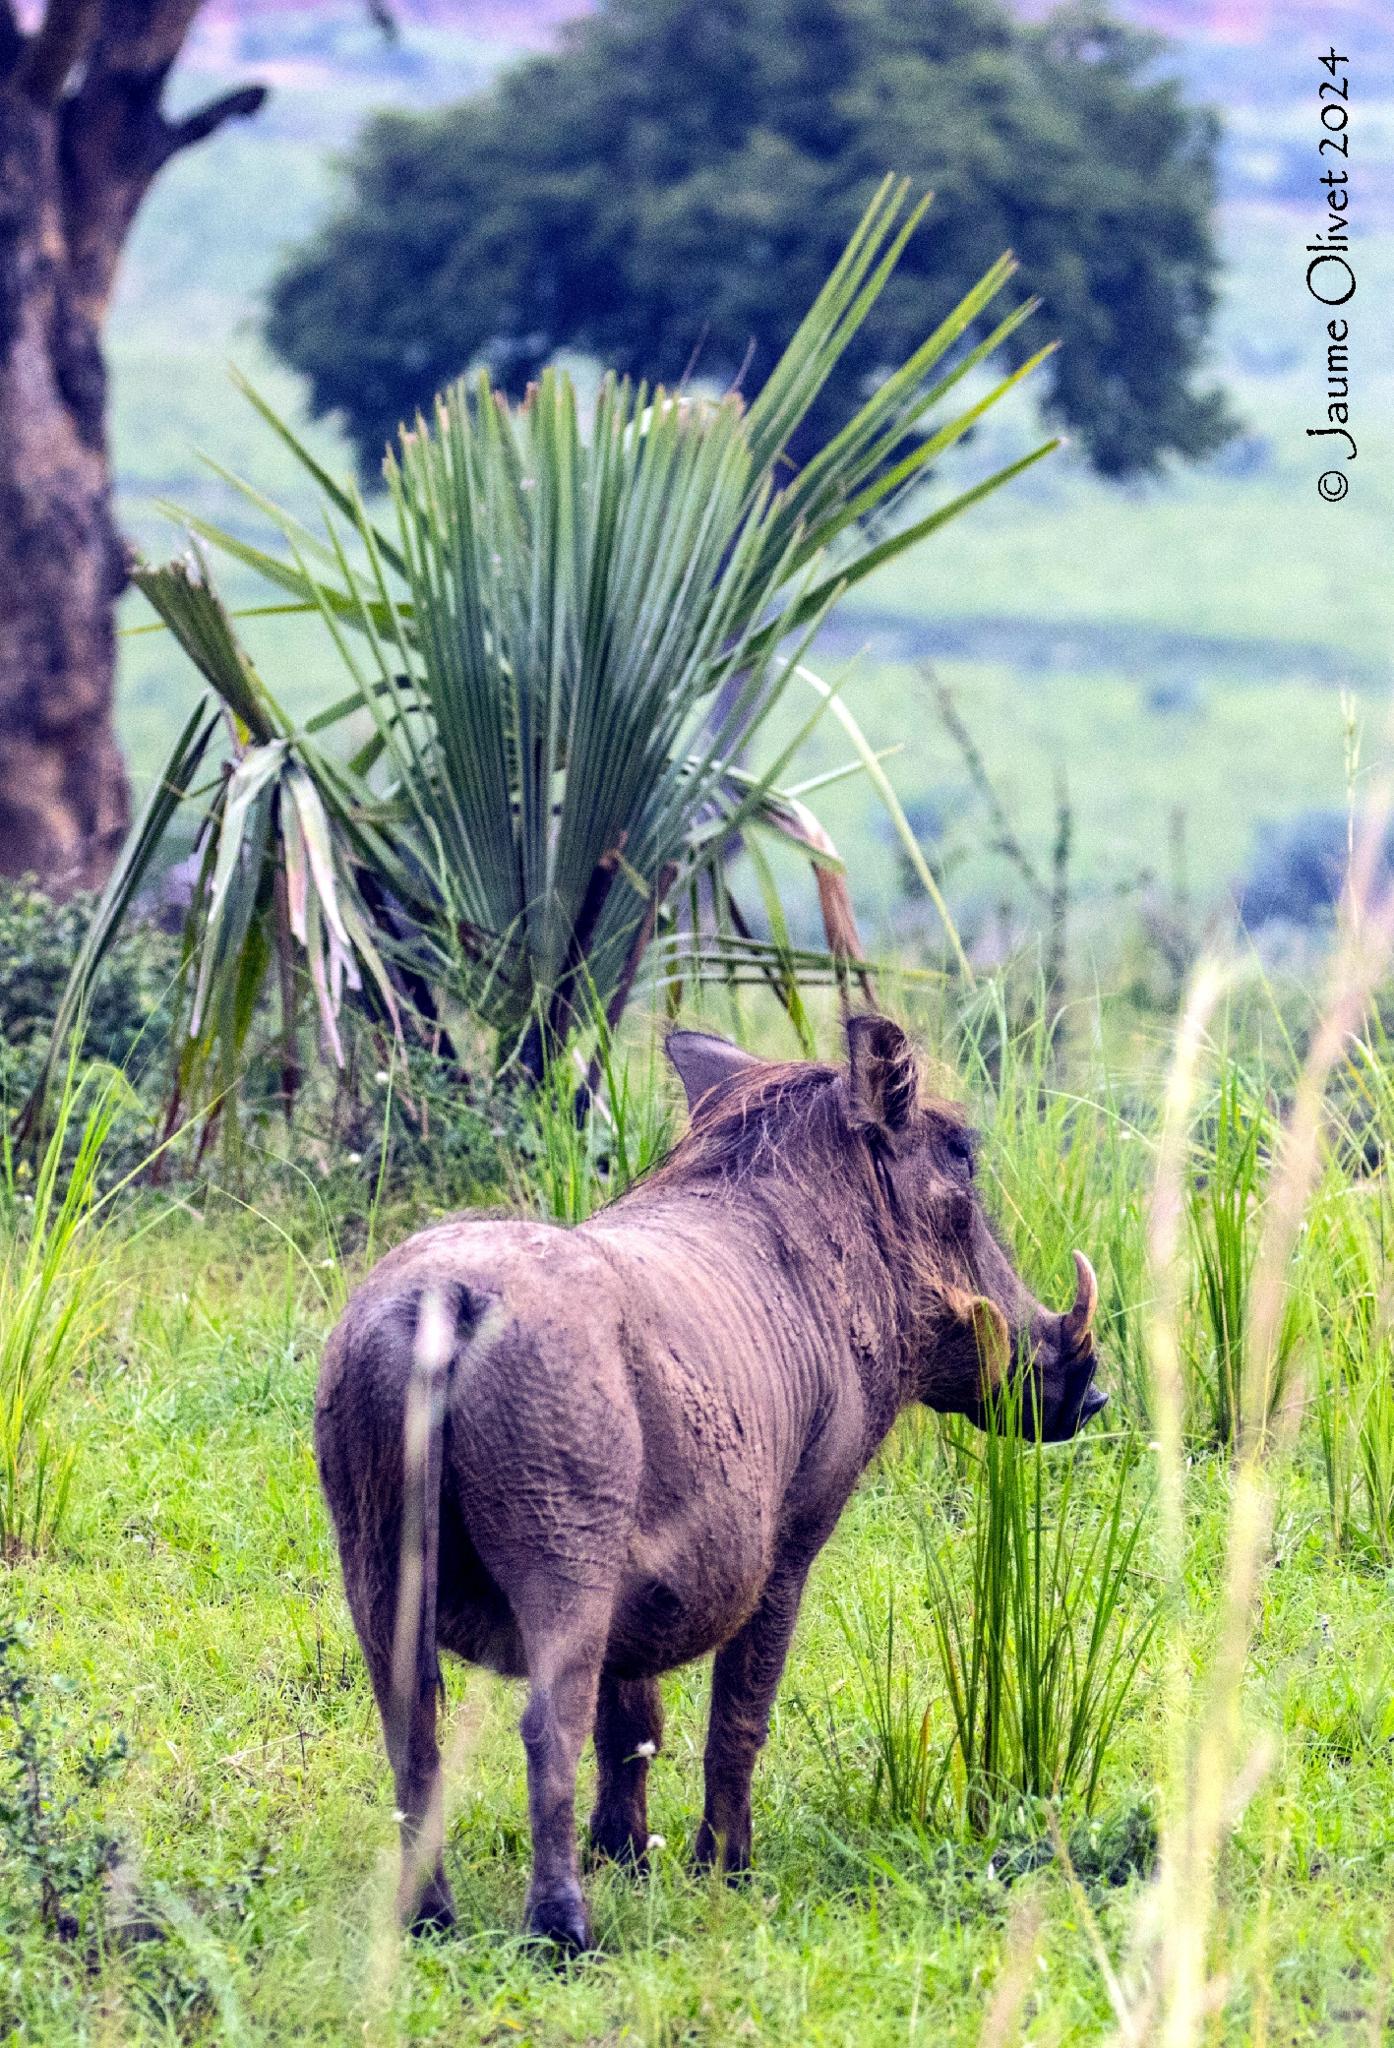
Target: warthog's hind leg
(370,1541)
(564,1630)
(424,1901)
(628,1730)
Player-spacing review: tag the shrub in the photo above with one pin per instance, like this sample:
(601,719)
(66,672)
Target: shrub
(129,1004)
(1299,869)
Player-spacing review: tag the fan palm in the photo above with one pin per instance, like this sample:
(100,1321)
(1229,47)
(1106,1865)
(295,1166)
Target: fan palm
(559,649)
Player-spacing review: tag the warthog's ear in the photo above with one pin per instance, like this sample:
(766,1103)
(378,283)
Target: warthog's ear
(883,1083)
(706,1065)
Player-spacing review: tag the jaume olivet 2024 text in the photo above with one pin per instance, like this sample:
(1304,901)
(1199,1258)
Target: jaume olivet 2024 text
(1331,274)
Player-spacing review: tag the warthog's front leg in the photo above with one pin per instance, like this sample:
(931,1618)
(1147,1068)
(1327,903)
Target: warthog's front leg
(745,1678)
(628,1730)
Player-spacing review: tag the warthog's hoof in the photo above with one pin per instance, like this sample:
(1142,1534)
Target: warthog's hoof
(562,1919)
(435,1914)
(729,1854)
(614,1839)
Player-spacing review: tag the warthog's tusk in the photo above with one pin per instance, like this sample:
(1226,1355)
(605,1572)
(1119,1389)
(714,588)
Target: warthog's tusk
(1075,1326)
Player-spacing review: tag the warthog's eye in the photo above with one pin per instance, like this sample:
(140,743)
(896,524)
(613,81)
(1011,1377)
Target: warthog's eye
(959,1146)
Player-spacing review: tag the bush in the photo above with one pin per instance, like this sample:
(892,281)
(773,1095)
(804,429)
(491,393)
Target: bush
(129,1012)
(421,1123)
(446,1134)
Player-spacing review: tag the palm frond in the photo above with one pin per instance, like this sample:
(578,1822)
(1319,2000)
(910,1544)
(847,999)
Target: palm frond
(562,638)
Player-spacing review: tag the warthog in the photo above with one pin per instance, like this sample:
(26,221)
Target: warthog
(643,1430)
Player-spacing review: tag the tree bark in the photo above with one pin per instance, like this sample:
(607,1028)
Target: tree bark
(63,794)
(82,138)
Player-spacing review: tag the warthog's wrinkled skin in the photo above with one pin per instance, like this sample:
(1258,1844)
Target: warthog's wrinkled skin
(651,1424)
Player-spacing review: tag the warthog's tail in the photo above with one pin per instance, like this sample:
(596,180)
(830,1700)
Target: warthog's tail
(444,1316)
(382,1440)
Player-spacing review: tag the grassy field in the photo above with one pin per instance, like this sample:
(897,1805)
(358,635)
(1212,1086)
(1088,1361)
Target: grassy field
(192,1600)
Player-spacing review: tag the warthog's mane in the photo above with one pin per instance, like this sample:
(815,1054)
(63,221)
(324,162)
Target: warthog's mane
(778,1115)
(758,1121)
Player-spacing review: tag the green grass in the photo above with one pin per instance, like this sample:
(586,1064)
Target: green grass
(53,1300)
(194,1602)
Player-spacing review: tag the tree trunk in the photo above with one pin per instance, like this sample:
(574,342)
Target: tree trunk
(63,794)
(82,138)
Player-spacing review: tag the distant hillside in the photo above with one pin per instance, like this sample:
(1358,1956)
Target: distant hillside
(515,21)
(1234,21)
(1240,24)
(1244,21)
(1253,59)
(520,23)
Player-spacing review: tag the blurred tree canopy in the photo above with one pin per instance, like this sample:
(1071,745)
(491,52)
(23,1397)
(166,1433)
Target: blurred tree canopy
(670,188)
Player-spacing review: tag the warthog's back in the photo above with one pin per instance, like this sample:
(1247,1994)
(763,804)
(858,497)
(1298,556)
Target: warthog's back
(628,1401)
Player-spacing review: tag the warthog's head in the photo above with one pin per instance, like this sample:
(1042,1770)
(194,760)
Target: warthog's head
(847,1143)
